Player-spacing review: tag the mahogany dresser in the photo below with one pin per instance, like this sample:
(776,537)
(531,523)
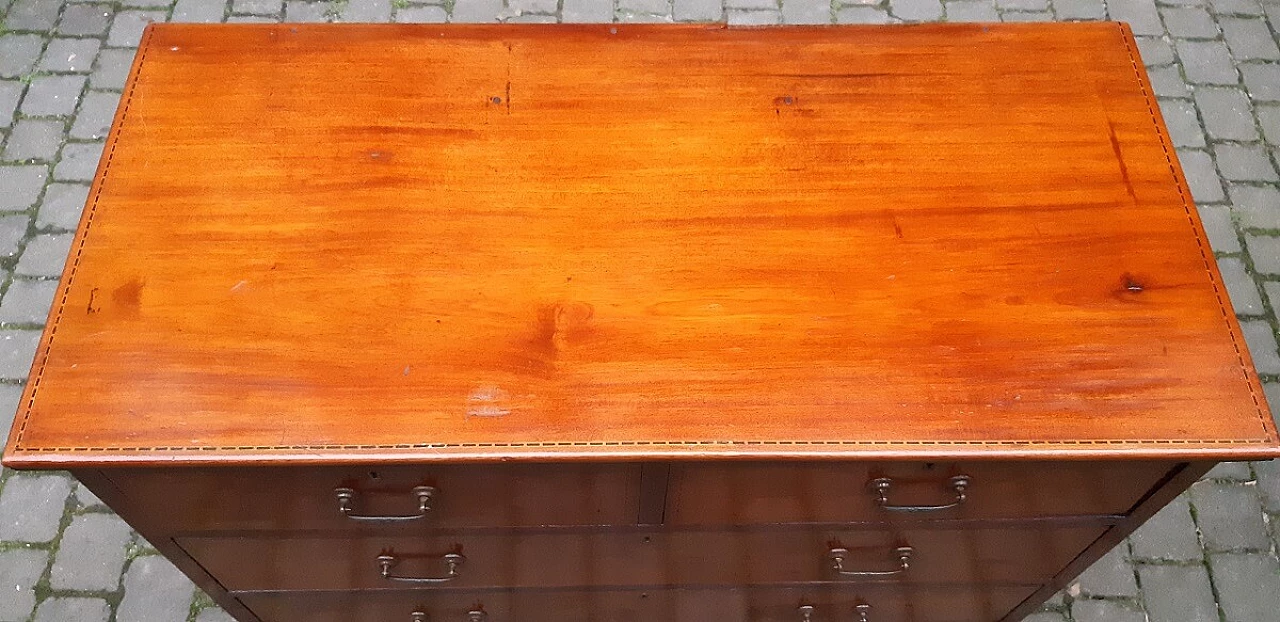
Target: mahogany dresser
(634,323)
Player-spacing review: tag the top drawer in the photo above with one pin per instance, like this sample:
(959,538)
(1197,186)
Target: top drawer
(838,492)
(344,498)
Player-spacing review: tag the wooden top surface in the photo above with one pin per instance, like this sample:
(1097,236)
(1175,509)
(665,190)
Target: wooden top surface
(337,243)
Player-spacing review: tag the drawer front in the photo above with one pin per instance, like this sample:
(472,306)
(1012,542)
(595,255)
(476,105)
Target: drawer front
(835,492)
(720,558)
(976,603)
(490,495)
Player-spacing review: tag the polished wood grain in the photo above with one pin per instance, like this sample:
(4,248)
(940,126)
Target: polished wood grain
(831,604)
(327,244)
(302,498)
(942,554)
(743,493)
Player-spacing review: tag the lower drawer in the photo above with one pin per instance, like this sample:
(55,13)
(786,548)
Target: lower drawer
(653,558)
(976,603)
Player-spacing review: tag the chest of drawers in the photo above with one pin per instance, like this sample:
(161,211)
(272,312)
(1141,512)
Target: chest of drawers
(632,323)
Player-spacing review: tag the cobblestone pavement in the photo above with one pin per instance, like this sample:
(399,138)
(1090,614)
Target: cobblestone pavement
(1210,557)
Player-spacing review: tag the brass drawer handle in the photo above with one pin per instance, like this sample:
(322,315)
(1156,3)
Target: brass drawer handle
(475,615)
(452,562)
(881,485)
(347,497)
(806,612)
(902,554)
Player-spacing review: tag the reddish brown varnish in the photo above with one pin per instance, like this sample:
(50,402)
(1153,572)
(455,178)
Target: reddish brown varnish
(328,244)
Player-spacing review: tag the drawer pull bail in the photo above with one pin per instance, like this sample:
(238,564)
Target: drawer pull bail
(864,612)
(838,555)
(347,497)
(452,562)
(881,485)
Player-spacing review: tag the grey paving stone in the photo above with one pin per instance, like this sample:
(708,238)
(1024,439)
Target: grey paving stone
(1265,251)
(1155,51)
(916,10)
(17,350)
(112,69)
(366,12)
(476,10)
(306,12)
(532,6)
(428,14)
(45,255)
(126,28)
(52,95)
(1080,9)
(1256,206)
(1183,123)
(1045,616)
(253,19)
(1192,22)
(1169,535)
(971,11)
(27,302)
(1023,5)
(1249,39)
(1233,471)
(1226,114)
(22,185)
(92,554)
(1229,515)
(738,17)
(94,119)
(10,396)
(1105,611)
(1263,81)
(862,15)
(257,7)
(32,15)
(12,229)
(62,206)
(1201,176)
(1141,15)
(154,590)
(812,11)
(198,11)
(34,139)
(662,7)
(539,18)
(85,19)
(18,54)
(31,506)
(1272,391)
(1236,7)
(1177,593)
(213,614)
(628,17)
(73,55)
(19,571)
(1244,163)
(86,498)
(10,93)
(1248,586)
(79,162)
(1110,576)
(1268,472)
(1219,228)
(1258,334)
(73,610)
(1024,16)
(1269,119)
(147,3)
(1242,289)
(1206,62)
(1168,82)
(596,12)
